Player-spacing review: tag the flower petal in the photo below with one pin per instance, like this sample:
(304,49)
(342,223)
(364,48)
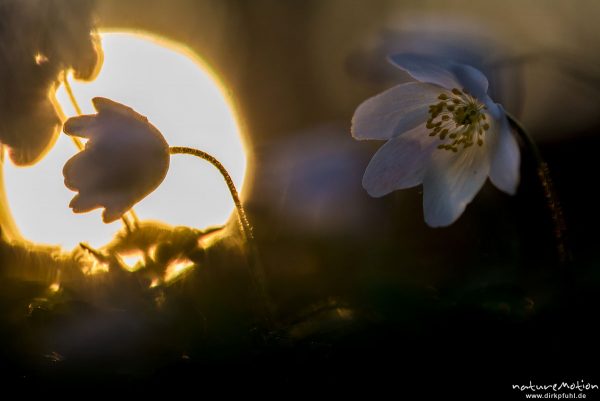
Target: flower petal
(74,171)
(452,181)
(110,214)
(102,104)
(400,163)
(81,126)
(116,205)
(442,72)
(31,132)
(471,79)
(394,111)
(425,69)
(505,158)
(84,171)
(107,107)
(81,203)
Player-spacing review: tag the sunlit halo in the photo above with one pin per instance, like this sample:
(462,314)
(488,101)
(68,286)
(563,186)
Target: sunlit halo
(132,261)
(183,100)
(176,268)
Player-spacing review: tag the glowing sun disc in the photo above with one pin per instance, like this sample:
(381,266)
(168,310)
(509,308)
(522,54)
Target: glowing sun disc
(181,97)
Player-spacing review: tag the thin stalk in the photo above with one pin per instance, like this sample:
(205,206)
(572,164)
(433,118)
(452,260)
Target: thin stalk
(257,272)
(244,223)
(75,104)
(550,194)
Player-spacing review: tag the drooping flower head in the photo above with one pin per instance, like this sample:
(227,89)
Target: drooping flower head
(443,132)
(125,159)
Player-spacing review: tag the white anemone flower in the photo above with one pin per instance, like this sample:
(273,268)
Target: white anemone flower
(125,159)
(443,131)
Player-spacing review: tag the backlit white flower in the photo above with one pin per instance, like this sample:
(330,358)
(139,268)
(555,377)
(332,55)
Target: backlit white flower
(125,158)
(443,132)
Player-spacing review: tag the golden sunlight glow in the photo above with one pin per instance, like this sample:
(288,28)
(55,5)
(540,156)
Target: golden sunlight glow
(184,100)
(95,267)
(40,59)
(54,288)
(132,261)
(176,268)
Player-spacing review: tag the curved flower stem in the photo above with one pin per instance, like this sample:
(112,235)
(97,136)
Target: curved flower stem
(246,228)
(254,259)
(80,146)
(552,201)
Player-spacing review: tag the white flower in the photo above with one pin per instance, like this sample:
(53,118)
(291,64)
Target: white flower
(124,159)
(443,132)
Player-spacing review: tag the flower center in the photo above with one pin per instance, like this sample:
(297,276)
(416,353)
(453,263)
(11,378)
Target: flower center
(458,119)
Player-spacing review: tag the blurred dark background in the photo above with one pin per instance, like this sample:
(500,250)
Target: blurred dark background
(364,294)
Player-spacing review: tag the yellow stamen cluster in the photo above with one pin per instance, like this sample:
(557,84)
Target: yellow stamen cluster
(458,119)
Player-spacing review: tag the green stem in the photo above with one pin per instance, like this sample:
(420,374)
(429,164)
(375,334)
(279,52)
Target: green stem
(550,194)
(245,224)
(257,273)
